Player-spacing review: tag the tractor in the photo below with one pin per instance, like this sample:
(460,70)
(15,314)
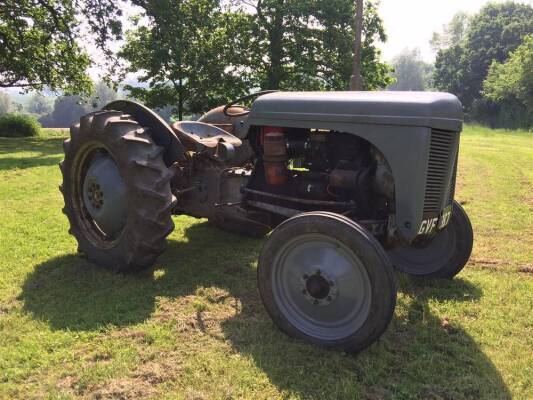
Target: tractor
(346,186)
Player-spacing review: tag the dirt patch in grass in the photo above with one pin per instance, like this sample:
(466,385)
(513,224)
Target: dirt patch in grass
(487,263)
(499,265)
(141,383)
(123,389)
(9,305)
(526,269)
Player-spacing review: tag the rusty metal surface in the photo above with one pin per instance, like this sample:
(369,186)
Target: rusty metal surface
(302,201)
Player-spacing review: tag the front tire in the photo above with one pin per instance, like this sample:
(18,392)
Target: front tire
(325,279)
(444,256)
(117,194)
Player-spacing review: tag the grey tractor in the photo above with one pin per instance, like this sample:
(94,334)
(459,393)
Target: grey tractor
(344,185)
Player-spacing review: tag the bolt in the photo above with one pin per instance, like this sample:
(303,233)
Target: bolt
(407,225)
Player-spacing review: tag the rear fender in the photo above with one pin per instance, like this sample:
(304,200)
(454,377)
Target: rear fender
(160,132)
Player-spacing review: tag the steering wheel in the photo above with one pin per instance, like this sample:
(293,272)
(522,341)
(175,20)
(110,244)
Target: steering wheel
(246,111)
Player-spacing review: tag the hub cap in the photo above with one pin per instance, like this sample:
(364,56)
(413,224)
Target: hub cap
(104,194)
(321,287)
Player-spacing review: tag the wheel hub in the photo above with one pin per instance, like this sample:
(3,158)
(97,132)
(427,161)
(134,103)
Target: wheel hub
(104,194)
(319,288)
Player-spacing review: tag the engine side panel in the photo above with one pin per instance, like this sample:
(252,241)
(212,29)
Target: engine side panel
(406,151)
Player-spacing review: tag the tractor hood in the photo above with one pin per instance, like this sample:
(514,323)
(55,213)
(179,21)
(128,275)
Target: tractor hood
(427,109)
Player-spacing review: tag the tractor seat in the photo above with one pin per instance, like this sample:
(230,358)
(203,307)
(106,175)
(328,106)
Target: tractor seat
(198,136)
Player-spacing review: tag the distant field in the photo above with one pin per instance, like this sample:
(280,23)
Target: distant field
(193,327)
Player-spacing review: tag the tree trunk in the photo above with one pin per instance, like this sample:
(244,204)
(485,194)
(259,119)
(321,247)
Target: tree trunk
(356,80)
(275,35)
(180,96)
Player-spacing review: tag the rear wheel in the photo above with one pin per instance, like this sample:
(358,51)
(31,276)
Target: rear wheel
(444,256)
(116,189)
(325,279)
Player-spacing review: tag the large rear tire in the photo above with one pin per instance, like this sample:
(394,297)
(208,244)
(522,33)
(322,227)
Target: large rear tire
(444,256)
(116,189)
(325,279)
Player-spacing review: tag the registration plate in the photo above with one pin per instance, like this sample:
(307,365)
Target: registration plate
(428,226)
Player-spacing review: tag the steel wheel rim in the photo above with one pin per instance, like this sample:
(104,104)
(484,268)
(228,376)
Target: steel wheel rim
(313,314)
(96,166)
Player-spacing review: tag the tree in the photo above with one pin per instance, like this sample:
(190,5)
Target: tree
(5,103)
(102,95)
(67,111)
(492,34)
(410,71)
(186,54)
(305,44)
(512,81)
(39,104)
(195,54)
(39,41)
(452,33)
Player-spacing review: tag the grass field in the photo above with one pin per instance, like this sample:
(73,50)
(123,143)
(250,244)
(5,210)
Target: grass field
(193,327)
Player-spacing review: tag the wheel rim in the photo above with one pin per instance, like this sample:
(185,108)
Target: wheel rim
(102,196)
(422,258)
(321,287)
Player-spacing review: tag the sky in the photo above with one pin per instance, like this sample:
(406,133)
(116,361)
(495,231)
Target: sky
(411,23)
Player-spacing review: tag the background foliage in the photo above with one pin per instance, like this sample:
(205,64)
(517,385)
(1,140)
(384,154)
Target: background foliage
(18,125)
(197,54)
(40,41)
(463,63)
(411,72)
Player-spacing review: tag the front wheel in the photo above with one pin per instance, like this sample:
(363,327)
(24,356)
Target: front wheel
(444,256)
(325,279)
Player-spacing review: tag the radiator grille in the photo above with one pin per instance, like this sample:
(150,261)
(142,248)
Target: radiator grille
(441,167)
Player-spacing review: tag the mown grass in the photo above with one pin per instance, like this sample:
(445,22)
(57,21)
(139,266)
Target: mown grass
(193,326)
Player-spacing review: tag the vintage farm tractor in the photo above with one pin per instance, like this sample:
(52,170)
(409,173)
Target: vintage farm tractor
(347,183)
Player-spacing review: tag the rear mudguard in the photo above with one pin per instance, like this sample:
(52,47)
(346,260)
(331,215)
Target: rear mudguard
(161,133)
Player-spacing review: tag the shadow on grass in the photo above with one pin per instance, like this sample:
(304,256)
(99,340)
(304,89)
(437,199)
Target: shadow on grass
(420,356)
(49,152)
(71,293)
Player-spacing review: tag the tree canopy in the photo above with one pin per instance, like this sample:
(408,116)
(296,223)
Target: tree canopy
(39,104)
(187,50)
(39,41)
(512,81)
(452,33)
(304,44)
(491,35)
(191,54)
(205,53)
(411,72)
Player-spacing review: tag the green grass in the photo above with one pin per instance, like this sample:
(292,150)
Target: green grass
(193,327)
